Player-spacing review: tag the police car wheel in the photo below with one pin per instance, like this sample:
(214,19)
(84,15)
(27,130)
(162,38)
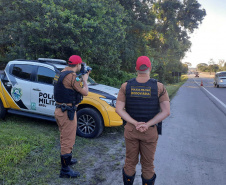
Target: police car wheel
(2,110)
(89,123)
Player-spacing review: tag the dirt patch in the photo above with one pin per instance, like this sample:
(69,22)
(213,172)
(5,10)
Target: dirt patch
(100,162)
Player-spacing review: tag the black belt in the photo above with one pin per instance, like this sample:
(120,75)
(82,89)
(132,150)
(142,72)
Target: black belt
(62,105)
(70,110)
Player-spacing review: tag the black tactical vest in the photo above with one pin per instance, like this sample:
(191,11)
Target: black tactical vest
(64,95)
(142,102)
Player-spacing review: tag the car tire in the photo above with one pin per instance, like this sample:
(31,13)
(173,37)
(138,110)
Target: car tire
(89,123)
(2,110)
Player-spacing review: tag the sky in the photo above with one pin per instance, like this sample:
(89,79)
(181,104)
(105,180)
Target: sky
(209,40)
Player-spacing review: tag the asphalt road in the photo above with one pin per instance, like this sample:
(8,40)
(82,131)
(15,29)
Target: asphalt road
(220,93)
(192,149)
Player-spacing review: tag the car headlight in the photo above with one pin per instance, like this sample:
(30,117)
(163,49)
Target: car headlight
(221,81)
(109,101)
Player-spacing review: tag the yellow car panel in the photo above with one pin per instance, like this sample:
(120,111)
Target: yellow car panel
(7,100)
(110,117)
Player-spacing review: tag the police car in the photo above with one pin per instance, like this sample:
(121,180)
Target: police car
(26,88)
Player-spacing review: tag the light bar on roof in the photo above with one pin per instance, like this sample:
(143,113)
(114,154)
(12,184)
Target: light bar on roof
(52,60)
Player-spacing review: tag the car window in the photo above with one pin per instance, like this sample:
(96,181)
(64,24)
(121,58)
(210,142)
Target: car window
(45,75)
(222,74)
(22,71)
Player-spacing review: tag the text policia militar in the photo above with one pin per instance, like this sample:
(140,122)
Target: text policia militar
(46,99)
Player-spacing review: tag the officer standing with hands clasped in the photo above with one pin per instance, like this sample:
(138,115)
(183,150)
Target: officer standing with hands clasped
(68,93)
(142,102)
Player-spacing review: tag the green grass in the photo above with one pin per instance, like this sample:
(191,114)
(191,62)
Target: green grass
(173,88)
(25,145)
(30,149)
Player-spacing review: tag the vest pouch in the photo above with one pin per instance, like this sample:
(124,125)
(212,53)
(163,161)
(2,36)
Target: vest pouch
(79,98)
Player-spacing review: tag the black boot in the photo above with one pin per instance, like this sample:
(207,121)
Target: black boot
(66,171)
(149,181)
(73,161)
(128,180)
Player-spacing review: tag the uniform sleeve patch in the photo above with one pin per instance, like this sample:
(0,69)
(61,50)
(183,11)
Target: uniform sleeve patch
(141,91)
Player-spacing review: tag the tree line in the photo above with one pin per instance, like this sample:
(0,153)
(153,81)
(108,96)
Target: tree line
(212,66)
(109,35)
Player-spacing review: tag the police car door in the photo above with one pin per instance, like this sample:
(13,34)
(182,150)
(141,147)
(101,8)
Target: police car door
(42,91)
(18,84)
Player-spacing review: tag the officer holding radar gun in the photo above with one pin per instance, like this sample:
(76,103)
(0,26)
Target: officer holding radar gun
(69,90)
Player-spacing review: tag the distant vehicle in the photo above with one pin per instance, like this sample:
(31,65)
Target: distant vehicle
(196,74)
(220,79)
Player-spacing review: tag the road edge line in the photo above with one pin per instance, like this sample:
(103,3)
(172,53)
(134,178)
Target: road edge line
(213,98)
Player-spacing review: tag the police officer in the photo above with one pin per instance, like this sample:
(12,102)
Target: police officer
(68,93)
(139,103)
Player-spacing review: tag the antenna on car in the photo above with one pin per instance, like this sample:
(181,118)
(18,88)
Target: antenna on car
(51,60)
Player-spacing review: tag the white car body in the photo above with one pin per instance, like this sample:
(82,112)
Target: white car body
(220,79)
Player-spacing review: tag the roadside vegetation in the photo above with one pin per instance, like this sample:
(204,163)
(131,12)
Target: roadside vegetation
(108,35)
(173,88)
(30,151)
(212,67)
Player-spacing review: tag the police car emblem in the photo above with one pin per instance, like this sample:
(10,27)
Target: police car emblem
(16,93)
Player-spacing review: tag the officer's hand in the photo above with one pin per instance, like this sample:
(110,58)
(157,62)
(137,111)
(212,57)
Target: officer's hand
(85,77)
(142,127)
(138,123)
